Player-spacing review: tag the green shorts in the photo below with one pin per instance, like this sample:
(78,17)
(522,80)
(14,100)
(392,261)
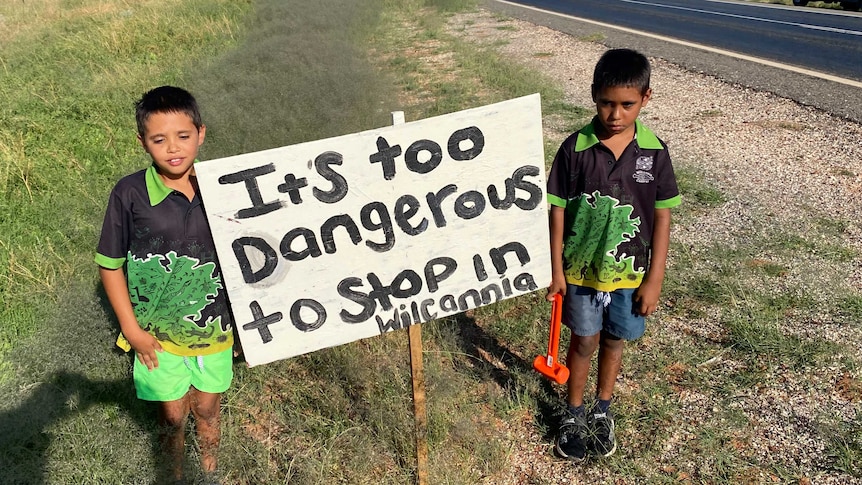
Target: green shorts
(176,374)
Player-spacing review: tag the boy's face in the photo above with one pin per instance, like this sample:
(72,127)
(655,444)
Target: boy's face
(172,140)
(618,108)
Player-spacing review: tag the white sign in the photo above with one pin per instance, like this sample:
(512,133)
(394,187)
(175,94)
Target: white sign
(327,242)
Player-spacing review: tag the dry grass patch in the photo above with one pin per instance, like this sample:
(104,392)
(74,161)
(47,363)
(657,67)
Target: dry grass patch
(783,125)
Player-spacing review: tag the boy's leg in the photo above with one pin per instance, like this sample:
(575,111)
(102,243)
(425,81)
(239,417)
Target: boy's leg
(168,385)
(622,323)
(610,361)
(584,317)
(583,314)
(211,376)
(172,417)
(572,439)
(578,360)
(603,440)
(206,408)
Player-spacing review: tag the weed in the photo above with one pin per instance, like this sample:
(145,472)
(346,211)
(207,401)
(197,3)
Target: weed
(597,37)
(850,309)
(755,334)
(843,172)
(844,451)
(696,191)
(786,125)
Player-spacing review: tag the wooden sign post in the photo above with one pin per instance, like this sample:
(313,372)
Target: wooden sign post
(420,416)
(417,377)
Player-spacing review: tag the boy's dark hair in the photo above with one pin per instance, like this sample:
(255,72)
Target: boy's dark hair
(621,68)
(166,99)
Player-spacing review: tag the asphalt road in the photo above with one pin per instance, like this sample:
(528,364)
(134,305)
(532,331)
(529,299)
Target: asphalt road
(829,43)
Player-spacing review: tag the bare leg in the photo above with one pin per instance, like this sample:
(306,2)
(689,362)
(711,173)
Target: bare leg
(610,362)
(578,360)
(206,408)
(172,433)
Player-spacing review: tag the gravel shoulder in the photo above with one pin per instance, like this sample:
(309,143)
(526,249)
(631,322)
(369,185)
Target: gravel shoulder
(783,168)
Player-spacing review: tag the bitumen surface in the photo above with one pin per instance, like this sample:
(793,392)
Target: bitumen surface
(839,99)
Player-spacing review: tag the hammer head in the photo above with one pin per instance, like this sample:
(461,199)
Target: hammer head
(556,371)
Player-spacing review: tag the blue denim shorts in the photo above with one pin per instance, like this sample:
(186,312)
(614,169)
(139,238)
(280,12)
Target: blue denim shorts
(586,312)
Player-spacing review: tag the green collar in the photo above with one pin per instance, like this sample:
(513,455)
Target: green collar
(644,136)
(156,188)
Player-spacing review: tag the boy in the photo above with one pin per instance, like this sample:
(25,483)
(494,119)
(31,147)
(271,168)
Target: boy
(611,188)
(170,301)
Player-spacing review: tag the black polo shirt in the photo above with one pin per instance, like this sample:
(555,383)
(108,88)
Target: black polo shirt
(610,205)
(174,280)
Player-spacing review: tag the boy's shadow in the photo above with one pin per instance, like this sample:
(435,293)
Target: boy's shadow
(482,347)
(25,430)
(47,398)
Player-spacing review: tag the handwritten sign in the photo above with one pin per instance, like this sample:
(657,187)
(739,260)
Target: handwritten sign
(327,242)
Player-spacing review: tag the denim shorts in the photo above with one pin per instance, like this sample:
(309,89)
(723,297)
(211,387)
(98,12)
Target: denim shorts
(586,313)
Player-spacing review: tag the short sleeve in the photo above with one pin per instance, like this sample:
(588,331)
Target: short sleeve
(116,228)
(667,192)
(558,178)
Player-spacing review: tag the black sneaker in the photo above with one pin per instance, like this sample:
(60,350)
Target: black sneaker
(572,440)
(602,440)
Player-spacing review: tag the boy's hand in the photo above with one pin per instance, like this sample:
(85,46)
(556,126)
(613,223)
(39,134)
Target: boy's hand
(556,222)
(145,346)
(237,347)
(558,285)
(646,298)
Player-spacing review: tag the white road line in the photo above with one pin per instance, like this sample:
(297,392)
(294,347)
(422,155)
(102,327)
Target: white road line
(766,62)
(748,17)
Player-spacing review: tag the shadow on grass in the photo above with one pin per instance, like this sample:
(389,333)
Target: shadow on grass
(481,346)
(70,414)
(26,431)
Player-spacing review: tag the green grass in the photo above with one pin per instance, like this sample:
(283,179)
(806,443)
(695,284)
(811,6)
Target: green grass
(844,452)
(698,194)
(271,73)
(69,77)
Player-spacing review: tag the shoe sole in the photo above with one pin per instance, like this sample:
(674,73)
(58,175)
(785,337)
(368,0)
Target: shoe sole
(573,459)
(605,455)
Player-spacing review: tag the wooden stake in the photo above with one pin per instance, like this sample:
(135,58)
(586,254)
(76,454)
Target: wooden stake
(414,333)
(420,418)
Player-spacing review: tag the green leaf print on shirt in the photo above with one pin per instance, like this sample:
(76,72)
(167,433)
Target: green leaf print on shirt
(169,293)
(599,224)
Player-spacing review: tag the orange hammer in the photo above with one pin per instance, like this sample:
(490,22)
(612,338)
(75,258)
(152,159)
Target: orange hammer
(548,365)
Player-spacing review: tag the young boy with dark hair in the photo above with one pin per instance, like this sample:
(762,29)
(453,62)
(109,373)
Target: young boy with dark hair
(158,265)
(611,188)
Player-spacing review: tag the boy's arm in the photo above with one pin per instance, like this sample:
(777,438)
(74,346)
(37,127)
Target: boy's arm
(556,221)
(647,294)
(145,345)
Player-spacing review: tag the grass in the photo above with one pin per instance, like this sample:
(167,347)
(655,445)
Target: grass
(271,73)
(845,444)
(69,75)
(700,195)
